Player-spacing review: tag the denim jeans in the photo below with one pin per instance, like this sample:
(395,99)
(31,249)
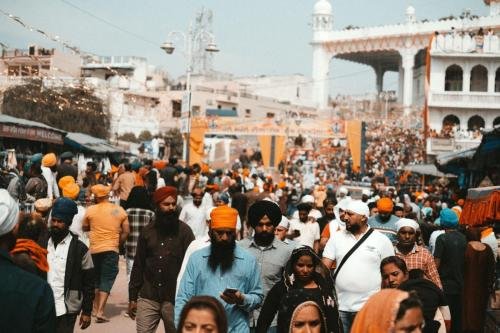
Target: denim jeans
(347,319)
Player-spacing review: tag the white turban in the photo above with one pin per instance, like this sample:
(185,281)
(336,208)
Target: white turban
(307,199)
(358,207)
(285,223)
(407,223)
(9,210)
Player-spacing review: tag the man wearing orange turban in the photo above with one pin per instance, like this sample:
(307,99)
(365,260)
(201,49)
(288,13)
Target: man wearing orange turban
(223,270)
(49,169)
(385,221)
(160,249)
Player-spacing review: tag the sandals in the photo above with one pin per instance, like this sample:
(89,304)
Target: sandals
(101,320)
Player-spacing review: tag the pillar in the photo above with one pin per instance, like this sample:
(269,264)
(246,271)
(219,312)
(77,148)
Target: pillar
(379,72)
(407,62)
(491,79)
(320,71)
(400,82)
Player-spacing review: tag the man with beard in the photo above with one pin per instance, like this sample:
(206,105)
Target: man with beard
(194,214)
(109,228)
(271,253)
(71,272)
(385,221)
(159,254)
(26,300)
(223,270)
(359,276)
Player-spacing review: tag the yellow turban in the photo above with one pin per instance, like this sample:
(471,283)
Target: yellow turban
(65,181)
(49,160)
(223,217)
(385,205)
(71,191)
(100,190)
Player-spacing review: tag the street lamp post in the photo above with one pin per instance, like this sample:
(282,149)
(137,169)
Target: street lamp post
(386,95)
(189,39)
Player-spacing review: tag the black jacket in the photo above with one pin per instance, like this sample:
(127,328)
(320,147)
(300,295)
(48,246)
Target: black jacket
(79,278)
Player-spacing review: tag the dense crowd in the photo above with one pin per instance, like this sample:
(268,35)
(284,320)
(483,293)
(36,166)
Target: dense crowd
(240,250)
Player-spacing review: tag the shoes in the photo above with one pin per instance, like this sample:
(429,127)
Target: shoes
(101,320)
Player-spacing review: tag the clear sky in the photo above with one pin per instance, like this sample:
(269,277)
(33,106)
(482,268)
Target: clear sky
(255,37)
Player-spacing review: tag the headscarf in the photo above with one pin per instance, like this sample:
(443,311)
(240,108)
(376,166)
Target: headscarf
(379,312)
(37,253)
(9,211)
(264,208)
(223,217)
(296,303)
(164,192)
(385,205)
(358,207)
(64,209)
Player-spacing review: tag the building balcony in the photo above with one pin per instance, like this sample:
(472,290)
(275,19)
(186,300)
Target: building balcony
(453,44)
(123,62)
(474,100)
(436,146)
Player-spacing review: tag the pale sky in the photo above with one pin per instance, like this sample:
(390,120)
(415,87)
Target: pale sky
(255,37)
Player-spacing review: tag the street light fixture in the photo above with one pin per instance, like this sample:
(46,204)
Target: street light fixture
(189,39)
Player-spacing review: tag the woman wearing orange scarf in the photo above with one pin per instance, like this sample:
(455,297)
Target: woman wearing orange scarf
(390,311)
(27,254)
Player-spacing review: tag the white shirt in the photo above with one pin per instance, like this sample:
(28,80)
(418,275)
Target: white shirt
(57,257)
(359,277)
(309,232)
(433,238)
(194,217)
(313,213)
(76,226)
(336,225)
(195,245)
(52,188)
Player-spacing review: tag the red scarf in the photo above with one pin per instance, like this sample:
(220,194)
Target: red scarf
(36,252)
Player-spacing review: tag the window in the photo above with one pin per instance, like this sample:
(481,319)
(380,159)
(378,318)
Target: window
(451,120)
(13,70)
(34,70)
(176,109)
(248,113)
(475,123)
(453,80)
(479,78)
(497,80)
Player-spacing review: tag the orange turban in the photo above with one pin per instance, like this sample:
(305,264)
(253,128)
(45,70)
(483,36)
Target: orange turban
(205,168)
(65,181)
(281,185)
(246,172)
(159,164)
(49,160)
(385,205)
(71,191)
(223,217)
(100,190)
(164,192)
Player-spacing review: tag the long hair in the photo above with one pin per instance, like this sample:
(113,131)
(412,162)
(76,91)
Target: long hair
(205,303)
(139,198)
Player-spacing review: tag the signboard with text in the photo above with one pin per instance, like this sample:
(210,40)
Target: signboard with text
(31,133)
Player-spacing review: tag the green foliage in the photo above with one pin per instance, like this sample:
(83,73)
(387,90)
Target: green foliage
(145,136)
(128,136)
(66,108)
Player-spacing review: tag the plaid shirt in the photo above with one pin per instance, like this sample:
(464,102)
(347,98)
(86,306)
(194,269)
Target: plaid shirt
(421,258)
(138,218)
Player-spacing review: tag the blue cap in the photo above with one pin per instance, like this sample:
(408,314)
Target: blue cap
(448,218)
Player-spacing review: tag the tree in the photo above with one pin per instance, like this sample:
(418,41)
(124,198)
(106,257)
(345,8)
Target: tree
(145,136)
(66,108)
(173,139)
(128,136)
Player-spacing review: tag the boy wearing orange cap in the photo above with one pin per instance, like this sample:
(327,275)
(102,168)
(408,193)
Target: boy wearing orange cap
(385,221)
(223,270)
(49,169)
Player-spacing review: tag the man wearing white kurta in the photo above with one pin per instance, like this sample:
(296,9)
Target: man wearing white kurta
(359,277)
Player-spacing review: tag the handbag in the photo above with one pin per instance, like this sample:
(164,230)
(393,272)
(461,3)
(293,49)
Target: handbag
(351,251)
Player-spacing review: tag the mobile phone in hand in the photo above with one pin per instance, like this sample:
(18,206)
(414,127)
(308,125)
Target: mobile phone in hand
(230,291)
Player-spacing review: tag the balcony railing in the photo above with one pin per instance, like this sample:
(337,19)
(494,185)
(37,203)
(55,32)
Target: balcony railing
(442,145)
(455,43)
(465,99)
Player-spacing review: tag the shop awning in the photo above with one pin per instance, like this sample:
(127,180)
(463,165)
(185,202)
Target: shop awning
(87,143)
(18,128)
(427,170)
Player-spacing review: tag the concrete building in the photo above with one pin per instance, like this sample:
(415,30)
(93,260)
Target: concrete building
(39,62)
(398,47)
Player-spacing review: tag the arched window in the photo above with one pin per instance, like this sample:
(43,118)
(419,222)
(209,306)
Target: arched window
(479,78)
(475,122)
(496,122)
(453,80)
(497,80)
(451,120)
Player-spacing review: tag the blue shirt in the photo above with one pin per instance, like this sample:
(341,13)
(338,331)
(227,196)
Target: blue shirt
(388,228)
(244,275)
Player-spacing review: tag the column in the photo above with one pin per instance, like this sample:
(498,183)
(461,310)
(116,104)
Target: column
(400,83)
(466,77)
(491,79)
(379,72)
(408,61)
(320,71)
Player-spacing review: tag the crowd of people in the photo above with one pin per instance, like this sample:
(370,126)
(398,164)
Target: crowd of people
(239,250)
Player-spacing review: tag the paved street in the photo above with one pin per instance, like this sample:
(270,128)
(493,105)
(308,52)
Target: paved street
(117,305)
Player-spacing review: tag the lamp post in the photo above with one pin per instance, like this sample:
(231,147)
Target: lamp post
(386,95)
(189,39)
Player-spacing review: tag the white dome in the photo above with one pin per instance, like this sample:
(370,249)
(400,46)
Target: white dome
(410,10)
(323,7)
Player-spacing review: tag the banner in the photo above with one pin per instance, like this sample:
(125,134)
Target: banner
(272,148)
(355,141)
(197,140)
